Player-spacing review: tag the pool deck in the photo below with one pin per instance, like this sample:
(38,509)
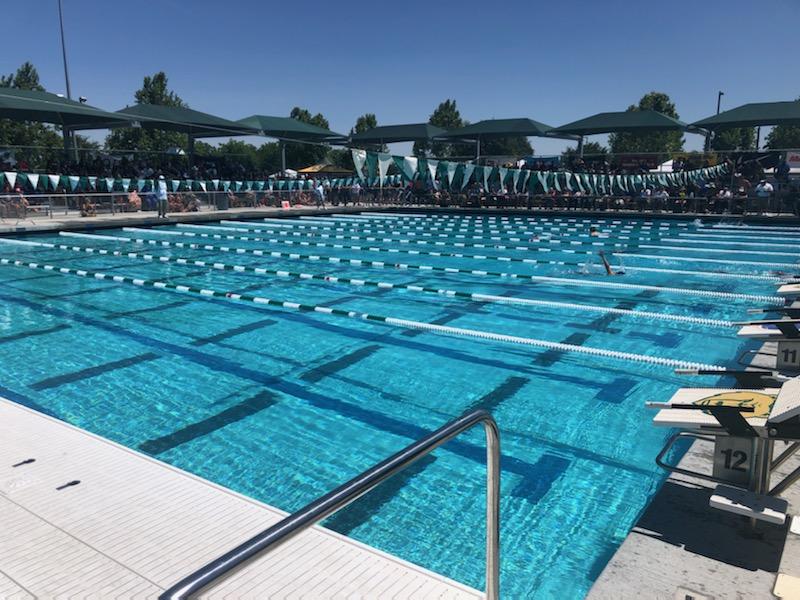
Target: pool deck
(682,549)
(74,222)
(133,526)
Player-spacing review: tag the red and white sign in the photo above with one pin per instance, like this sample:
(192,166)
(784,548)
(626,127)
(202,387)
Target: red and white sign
(285,205)
(793,158)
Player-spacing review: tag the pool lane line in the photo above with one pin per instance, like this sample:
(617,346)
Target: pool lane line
(755,228)
(726,243)
(472,296)
(393,321)
(776,300)
(460,255)
(537,217)
(717,250)
(448,233)
(755,236)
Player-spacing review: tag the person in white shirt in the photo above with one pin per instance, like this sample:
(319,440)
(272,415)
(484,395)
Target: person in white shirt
(764,189)
(161,194)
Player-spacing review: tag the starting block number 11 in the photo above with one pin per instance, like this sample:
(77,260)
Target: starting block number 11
(788,355)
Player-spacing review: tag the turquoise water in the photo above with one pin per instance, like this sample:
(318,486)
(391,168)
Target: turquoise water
(284,405)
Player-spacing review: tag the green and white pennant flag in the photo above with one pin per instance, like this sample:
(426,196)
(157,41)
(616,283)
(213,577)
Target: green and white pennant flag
(126,184)
(567,182)
(359,160)
(54,180)
(526,175)
(175,184)
(201,184)
(579,182)
(542,177)
(502,173)
(487,173)
(109,183)
(469,168)
(515,173)
(74,180)
(433,165)
(384,161)
(451,168)
(33,179)
(11,178)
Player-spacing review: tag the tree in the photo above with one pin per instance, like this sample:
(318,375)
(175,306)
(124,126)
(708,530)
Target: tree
(364,123)
(784,136)
(154,90)
(738,138)
(303,155)
(445,116)
(592,151)
(512,146)
(43,141)
(657,141)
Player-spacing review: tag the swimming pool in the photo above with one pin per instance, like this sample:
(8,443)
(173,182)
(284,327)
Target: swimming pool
(283,404)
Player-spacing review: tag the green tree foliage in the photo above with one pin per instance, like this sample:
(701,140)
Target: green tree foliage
(591,151)
(513,146)
(302,155)
(784,136)
(364,123)
(448,117)
(27,133)
(657,141)
(738,138)
(154,90)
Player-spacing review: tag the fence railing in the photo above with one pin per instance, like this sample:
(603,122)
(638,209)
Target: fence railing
(32,207)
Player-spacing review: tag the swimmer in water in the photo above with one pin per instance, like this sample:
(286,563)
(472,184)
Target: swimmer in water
(609,270)
(593,231)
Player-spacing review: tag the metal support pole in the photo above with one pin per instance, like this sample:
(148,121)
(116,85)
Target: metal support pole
(758,137)
(477,149)
(283,159)
(66,131)
(190,148)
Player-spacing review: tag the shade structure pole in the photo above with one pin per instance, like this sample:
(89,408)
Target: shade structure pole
(190,148)
(477,149)
(758,137)
(283,159)
(580,146)
(66,132)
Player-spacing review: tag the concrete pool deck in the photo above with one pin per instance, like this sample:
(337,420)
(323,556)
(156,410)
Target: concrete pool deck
(74,222)
(132,526)
(682,549)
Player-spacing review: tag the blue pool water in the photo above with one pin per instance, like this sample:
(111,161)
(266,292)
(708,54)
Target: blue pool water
(284,405)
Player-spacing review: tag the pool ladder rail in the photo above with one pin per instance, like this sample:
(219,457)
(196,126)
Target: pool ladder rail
(324,506)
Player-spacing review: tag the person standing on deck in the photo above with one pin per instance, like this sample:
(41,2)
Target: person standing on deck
(161,194)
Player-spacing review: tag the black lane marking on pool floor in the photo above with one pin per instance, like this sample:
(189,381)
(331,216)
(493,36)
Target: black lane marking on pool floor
(549,469)
(350,410)
(616,391)
(224,335)
(152,309)
(363,509)
(339,364)
(52,382)
(551,356)
(26,334)
(500,394)
(237,412)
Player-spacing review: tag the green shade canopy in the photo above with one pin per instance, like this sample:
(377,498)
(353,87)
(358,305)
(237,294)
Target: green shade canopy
(185,120)
(389,134)
(629,121)
(755,114)
(44,107)
(499,128)
(287,128)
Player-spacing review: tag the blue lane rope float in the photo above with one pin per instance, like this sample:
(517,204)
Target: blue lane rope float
(775,300)
(393,321)
(472,296)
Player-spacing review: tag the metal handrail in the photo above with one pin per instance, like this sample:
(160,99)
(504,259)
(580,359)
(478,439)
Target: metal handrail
(347,493)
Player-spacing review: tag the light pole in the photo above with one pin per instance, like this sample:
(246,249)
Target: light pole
(720,94)
(65,129)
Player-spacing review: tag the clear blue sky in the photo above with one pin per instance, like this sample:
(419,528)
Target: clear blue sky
(552,61)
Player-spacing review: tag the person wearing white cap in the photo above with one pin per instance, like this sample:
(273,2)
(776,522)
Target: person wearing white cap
(162,197)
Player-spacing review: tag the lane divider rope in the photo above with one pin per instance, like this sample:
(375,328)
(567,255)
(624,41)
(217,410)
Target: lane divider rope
(401,323)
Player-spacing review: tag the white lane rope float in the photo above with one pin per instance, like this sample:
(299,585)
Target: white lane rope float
(776,300)
(717,250)
(731,243)
(738,236)
(510,259)
(393,321)
(473,296)
(492,219)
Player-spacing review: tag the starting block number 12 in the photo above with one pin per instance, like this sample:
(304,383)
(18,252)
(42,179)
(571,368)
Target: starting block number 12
(788,355)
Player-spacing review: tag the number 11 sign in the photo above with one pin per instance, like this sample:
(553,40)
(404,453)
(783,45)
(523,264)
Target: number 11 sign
(788,355)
